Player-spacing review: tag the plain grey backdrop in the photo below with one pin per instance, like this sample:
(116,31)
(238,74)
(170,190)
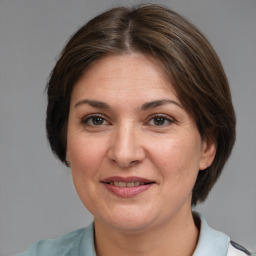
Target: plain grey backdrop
(37,198)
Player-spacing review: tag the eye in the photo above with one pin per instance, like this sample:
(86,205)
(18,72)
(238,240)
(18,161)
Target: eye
(160,120)
(94,120)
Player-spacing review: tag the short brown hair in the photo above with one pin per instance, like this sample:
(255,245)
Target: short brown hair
(190,61)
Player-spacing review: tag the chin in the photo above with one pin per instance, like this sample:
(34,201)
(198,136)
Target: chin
(129,219)
(131,225)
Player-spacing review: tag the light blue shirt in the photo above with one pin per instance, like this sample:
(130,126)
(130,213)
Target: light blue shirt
(81,243)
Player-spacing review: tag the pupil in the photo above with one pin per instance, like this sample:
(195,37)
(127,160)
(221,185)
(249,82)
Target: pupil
(97,120)
(159,121)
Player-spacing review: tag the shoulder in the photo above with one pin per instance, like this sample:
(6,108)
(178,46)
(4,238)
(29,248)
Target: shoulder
(69,244)
(215,243)
(235,249)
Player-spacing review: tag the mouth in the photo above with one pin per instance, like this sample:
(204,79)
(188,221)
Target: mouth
(122,184)
(128,186)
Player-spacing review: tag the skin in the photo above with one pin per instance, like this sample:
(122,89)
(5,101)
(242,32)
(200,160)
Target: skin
(128,141)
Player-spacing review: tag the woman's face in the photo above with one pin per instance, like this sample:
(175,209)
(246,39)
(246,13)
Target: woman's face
(135,152)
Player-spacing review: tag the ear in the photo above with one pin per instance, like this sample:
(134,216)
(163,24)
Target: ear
(207,155)
(67,157)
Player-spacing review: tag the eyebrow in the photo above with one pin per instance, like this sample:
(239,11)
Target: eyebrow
(92,103)
(157,103)
(145,106)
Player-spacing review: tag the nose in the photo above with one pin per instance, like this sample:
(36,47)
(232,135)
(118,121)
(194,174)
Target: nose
(126,149)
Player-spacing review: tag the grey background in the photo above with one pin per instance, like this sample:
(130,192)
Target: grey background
(37,198)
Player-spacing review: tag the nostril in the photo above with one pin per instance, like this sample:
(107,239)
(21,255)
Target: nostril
(125,150)
(124,163)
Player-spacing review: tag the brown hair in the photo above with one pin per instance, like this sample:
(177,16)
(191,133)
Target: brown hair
(193,66)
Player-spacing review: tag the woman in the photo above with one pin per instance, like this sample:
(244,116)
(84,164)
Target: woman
(140,109)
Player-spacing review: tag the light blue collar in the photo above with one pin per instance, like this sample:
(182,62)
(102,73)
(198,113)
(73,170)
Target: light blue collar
(211,242)
(87,242)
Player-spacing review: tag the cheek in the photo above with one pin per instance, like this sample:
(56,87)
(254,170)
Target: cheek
(177,164)
(177,160)
(175,154)
(86,155)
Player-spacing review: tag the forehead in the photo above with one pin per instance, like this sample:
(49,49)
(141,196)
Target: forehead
(125,73)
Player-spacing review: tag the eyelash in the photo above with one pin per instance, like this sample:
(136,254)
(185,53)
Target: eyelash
(93,117)
(160,116)
(85,121)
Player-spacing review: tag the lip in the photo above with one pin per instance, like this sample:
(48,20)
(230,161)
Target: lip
(127,192)
(127,179)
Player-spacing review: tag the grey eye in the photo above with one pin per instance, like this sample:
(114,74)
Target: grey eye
(159,120)
(94,121)
(97,120)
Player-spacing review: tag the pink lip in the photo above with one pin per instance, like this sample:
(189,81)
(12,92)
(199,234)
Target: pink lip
(127,179)
(127,191)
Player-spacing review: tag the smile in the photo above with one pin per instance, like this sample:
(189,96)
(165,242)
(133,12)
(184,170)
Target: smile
(127,187)
(126,184)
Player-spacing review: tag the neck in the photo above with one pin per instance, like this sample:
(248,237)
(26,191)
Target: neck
(178,237)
